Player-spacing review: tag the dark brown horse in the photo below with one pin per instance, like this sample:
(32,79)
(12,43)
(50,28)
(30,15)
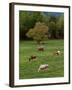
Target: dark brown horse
(32,57)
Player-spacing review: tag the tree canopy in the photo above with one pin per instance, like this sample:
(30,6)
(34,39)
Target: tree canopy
(39,32)
(28,22)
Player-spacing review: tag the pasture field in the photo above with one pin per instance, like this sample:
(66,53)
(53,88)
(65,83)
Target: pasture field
(29,70)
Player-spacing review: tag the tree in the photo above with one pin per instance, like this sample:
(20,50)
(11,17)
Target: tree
(52,29)
(27,20)
(53,19)
(56,27)
(39,32)
(60,26)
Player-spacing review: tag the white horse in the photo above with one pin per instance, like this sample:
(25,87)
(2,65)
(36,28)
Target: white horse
(43,67)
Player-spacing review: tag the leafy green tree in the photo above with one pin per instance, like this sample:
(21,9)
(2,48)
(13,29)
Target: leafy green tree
(56,27)
(46,19)
(52,29)
(27,20)
(60,26)
(53,19)
(39,32)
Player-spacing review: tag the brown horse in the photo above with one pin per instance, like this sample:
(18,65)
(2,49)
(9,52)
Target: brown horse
(32,57)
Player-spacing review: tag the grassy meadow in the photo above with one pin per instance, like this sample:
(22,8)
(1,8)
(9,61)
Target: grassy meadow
(29,70)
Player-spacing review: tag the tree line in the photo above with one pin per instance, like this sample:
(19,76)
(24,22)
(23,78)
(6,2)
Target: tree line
(52,25)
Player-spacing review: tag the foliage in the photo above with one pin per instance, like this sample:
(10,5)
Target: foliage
(56,27)
(39,32)
(52,29)
(60,27)
(28,19)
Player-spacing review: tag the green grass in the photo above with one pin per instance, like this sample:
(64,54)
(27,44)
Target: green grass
(29,70)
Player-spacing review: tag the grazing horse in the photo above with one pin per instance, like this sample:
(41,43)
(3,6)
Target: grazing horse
(58,53)
(40,48)
(32,58)
(43,67)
